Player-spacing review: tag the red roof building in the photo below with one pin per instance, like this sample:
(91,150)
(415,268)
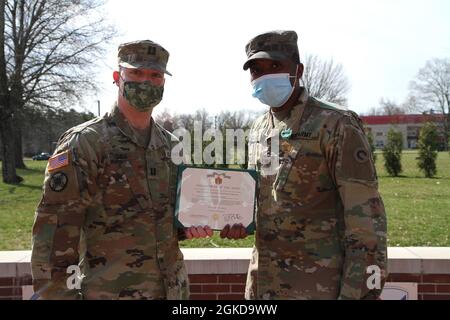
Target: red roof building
(403,119)
(408,124)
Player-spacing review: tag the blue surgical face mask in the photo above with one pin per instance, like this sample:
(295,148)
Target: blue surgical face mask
(273,90)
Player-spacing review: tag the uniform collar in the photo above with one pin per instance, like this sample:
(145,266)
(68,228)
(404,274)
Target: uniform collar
(289,121)
(156,135)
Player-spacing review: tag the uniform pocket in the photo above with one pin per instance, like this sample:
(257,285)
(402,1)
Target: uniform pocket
(137,182)
(159,177)
(123,187)
(289,150)
(283,173)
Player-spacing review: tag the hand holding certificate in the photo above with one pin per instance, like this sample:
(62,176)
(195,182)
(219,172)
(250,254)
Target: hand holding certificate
(216,198)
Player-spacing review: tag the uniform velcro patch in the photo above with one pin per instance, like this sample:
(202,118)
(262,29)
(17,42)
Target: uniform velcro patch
(58,161)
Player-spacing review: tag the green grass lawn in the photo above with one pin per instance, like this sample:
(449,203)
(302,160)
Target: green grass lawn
(17,205)
(418,209)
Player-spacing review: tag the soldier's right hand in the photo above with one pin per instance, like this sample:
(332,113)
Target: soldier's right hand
(198,232)
(237,231)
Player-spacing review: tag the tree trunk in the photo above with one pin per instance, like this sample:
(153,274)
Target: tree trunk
(6,115)
(8,153)
(17,104)
(19,148)
(447,131)
(20,164)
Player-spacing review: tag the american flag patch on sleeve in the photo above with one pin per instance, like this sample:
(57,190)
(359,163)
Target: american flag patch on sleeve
(58,161)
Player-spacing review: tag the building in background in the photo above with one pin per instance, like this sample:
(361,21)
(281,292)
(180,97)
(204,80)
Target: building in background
(408,124)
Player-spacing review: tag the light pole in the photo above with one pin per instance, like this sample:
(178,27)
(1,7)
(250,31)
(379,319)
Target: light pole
(98,103)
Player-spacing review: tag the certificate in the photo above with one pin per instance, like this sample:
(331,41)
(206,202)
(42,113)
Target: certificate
(215,197)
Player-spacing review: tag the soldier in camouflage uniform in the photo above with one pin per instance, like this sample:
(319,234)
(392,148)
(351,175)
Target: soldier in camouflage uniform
(108,198)
(321,223)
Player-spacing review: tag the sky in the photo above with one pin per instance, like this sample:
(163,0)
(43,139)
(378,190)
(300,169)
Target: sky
(381,45)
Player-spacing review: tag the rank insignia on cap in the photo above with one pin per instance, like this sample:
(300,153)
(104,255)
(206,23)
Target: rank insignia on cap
(58,161)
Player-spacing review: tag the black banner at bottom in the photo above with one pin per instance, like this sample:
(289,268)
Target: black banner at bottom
(261,310)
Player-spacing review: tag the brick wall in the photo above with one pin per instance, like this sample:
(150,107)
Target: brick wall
(218,274)
(430,286)
(217,286)
(11,287)
(232,286)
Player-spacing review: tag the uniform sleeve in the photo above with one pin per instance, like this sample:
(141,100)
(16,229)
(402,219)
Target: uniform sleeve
(68,190)
(181,235)
(173,179)
(363,224)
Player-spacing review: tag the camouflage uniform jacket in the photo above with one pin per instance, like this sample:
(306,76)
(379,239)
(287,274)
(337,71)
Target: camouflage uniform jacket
(320,219)
(107,206)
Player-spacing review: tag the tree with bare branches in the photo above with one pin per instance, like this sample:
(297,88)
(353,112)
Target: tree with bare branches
(390,107)
(431,88)
(325,79)
(241,119)
(49,49)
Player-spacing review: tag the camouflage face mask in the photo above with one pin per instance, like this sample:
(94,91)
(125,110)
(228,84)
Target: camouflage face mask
(143,96)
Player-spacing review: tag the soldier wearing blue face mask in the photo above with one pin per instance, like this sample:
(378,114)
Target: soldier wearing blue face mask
(273,89)
(320,221)
(275,68)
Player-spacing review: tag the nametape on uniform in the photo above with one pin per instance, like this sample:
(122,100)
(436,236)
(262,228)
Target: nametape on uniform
(58,161)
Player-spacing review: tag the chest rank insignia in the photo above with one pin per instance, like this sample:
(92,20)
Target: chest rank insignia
(286,133)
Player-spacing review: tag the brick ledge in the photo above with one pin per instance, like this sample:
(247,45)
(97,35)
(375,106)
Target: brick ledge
(406,260)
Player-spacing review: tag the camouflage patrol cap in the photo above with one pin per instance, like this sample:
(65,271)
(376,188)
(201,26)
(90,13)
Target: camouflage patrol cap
(275,45)
(143,54)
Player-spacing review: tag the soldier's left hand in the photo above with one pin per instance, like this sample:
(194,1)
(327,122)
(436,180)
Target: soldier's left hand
(237,231)
(198,232)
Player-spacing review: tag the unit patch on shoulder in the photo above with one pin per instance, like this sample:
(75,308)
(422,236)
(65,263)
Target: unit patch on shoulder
(58,181)
(361,155)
